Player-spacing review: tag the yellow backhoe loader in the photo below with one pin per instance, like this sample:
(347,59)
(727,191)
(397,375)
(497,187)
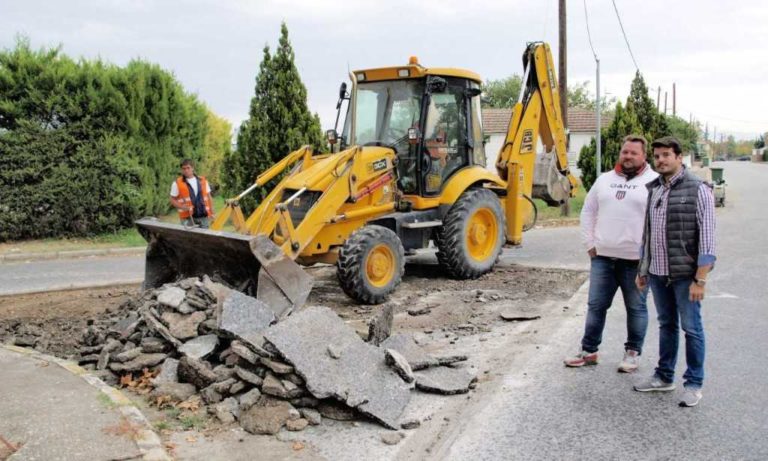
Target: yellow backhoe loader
(407,169)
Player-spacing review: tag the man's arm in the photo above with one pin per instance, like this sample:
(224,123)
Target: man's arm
(588,220)
(705,217)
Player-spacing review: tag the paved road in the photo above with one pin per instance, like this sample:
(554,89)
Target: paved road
(33,276)
(546,411)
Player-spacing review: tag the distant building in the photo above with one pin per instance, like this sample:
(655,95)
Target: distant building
(581,126)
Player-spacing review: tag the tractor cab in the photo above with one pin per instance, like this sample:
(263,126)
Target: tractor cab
(429,117)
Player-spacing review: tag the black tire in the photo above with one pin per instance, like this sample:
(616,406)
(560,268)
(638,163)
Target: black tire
(352,267)
(453,250)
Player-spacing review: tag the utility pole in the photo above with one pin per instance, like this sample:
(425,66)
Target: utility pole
(674,100)
(658,98)
(665,103)
(565,208)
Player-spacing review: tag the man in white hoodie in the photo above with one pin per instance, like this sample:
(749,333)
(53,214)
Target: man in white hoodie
(612,230)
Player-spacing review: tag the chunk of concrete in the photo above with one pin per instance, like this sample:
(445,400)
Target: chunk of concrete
(139,363)
(520,314)
(399,364)
(125,327)
(168,373)
(297,424)
(273,386)
(249,399)
(413,353)
(244,352)
(380,325)
(336,411)
(245,317)
(200,347)
(267,416)
(391,438)
(359,377)
(171,296)
(444,380)
(157,326)
(177,392)
(196,372)
(152,345)
(227,411)
(279,368)
(183,326)
(248,376)
(311,415)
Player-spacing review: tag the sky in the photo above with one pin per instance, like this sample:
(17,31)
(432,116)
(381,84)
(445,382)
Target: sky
(716,53)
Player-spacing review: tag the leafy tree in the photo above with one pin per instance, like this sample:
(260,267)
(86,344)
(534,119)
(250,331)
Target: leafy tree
(686,132)
(502,93)
(217,145)
(279,121)
(579,95)
(624,122)
(759,142)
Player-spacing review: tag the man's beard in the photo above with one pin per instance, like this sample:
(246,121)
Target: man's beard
(631,171)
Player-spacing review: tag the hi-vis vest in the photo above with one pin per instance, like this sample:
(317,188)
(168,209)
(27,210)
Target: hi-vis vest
(186,199)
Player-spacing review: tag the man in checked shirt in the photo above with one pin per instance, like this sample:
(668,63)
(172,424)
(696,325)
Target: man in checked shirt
(677,254)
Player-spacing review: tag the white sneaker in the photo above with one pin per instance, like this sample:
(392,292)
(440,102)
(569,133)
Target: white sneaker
(630,363)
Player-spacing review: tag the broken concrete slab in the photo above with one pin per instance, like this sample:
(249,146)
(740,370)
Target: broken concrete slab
(177,392)
(200,347)
(380,325)
(297,425)
(227,411)
(183,326)
(311,415)
(413,353)
(157,326)
(168,372)
(391,438)
(139,363)
(267,416)
(336,411)
(520,313)
(245,317)
(195,371)
(451,359)
(277,367)
(399,364)
(359,377)
(151,345)
(444,380)
(249,399)
(248,376)
(125,327)
(171,297)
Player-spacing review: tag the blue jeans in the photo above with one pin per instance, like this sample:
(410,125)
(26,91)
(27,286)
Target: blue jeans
(607,275)
(675,309)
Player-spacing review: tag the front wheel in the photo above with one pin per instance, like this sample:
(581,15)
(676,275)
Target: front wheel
(470,240)
(371,264)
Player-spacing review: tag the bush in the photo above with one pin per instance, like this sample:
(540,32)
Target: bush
(87,147)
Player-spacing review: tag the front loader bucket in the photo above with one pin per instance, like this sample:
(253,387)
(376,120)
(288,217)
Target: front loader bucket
(252,264)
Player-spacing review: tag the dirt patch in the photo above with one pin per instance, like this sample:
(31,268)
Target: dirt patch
(463,307)
(59,318)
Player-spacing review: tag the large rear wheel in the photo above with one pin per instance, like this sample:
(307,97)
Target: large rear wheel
(371,264)
(470,240)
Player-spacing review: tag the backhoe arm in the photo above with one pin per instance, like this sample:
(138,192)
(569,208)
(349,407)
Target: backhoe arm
(535,115)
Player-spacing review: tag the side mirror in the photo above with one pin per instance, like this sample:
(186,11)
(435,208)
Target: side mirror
(343,90)
(332,137)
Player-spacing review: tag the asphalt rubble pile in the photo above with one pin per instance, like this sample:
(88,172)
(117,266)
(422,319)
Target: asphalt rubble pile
(199,342)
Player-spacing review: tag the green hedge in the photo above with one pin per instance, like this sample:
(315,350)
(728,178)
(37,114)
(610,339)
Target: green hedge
(86,147)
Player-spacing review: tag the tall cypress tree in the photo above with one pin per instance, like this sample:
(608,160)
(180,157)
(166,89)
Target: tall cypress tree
(279,121)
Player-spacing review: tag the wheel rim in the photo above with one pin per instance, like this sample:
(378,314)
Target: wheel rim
(482,233)
(380,265)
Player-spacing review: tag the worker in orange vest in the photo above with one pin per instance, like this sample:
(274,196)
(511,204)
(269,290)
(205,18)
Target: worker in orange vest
(191,196)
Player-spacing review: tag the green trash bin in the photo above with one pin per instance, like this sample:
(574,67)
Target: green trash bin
(717,175)
(705,161)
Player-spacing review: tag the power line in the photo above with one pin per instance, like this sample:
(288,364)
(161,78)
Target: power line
(589,35)
(625,35)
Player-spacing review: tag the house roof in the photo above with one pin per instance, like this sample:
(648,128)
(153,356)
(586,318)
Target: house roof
(579,120)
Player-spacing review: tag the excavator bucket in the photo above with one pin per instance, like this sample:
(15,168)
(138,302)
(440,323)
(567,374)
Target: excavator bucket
(252,264)
(549,184)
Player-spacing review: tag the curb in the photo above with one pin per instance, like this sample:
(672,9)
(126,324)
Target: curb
(69,254)
(145,437)
(74,286)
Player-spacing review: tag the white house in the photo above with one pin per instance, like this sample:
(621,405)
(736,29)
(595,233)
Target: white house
(581,126)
